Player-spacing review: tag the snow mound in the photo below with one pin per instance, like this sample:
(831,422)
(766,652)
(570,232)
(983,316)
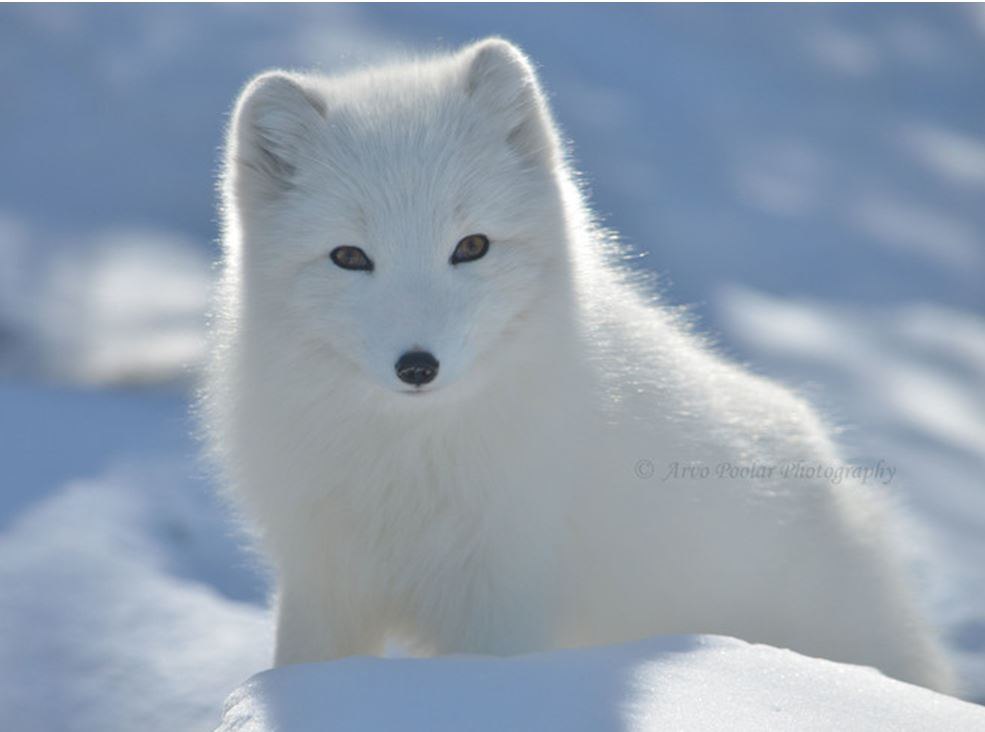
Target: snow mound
(121,305)
(111,612)
(675,682)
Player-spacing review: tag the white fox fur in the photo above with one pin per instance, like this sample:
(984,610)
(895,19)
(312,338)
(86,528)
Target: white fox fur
(500,510)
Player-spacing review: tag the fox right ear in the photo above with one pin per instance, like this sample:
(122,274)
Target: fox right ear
(275,121)
(501,79)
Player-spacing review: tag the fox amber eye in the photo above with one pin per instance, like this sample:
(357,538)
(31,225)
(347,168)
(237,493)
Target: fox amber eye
(470,248)
(351,258)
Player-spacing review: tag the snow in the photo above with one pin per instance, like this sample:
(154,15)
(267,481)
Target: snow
(807,180)
(126,604)
(675,682)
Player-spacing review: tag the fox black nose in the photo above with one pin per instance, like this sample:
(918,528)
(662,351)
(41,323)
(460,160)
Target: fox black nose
(417,367)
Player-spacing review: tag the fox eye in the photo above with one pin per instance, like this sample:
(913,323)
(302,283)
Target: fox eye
(472,247)
(351,258)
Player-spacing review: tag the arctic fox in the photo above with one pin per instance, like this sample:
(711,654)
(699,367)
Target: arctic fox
(454,418)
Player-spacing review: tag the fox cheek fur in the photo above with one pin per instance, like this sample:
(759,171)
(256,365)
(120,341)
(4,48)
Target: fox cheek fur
(443,449)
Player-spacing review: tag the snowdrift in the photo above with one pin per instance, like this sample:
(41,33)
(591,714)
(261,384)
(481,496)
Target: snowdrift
(676,682)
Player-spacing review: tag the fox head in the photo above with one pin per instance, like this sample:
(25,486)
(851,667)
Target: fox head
(407,218)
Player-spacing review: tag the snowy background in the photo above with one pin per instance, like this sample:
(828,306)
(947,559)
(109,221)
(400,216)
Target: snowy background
(810,180)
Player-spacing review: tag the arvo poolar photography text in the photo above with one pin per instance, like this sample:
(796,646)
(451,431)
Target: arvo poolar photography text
(880,472)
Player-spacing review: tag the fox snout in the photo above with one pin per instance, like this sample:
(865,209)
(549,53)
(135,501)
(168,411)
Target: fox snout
(416,368)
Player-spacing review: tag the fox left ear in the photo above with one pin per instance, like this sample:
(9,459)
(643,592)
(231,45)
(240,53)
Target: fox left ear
(501,79)
(274,125)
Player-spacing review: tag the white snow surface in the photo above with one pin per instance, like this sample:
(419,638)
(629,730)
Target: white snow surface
(808,180)
(103,629)
(674,682)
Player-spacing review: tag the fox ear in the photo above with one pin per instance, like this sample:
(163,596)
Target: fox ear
(502,80)
(275,121)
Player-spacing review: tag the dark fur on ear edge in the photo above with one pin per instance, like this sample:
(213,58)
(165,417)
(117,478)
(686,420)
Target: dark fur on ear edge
(502,79)
(274,122)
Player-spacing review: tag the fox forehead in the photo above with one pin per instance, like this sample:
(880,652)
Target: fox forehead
(393,144)
(406,189)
